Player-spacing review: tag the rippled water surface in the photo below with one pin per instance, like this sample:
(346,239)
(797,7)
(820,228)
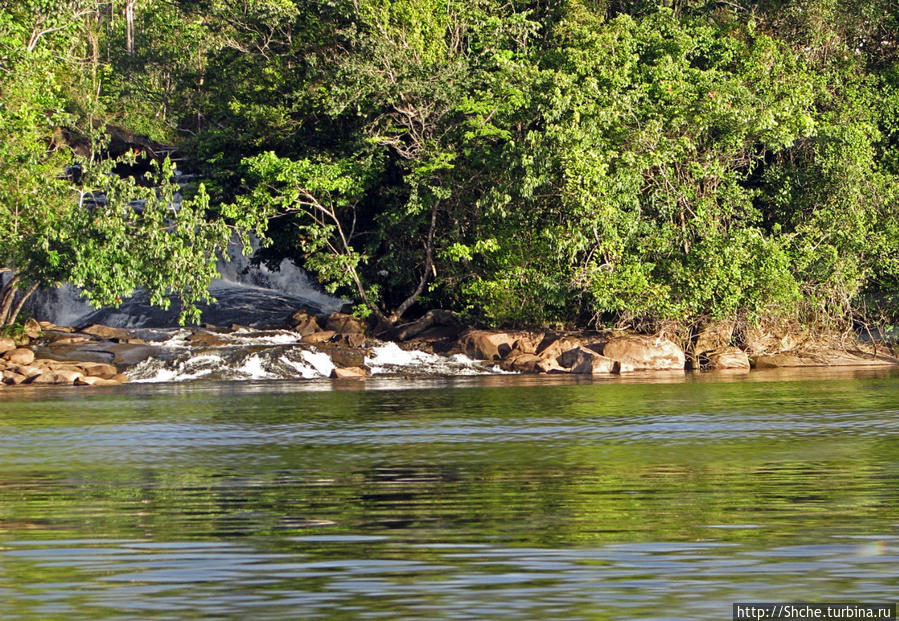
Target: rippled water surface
(474,498)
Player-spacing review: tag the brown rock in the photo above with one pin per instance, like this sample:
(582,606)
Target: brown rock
(353,339)
(343,356)
(98,369)
(303,322)
(11,378)
(47,377)
(20,355)
(776,361)
(714,336)
(106,332)
(485,345)
(345,324)
(553,346)
(32,328)
(585,361)
(528,342)
(90,380)
(67,376)
(55,337)
(521,362)
(348,373)
(645,352)
(728,358)
(6,345)
(202,338)
(27,370)
(319,337)
(549,365)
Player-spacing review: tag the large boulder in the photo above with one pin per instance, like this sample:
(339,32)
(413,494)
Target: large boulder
(727,358)
(528,342)
(585,361)
(32,328)
(343,323)
(485,345)
(553,346)
(520,362)
(105,332)
(322,336)
(357,373)
(303,322)
(6,345)
(20,355)
(644,353)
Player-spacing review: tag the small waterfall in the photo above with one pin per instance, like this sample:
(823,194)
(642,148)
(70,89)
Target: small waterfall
(246,294)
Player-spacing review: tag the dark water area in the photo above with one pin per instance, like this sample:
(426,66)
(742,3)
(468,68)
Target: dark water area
(466,498)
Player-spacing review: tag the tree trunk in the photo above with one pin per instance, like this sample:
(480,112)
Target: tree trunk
(18,308)
(129,26)
(7,296)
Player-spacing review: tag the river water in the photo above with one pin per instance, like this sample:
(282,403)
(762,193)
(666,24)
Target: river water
(466,498)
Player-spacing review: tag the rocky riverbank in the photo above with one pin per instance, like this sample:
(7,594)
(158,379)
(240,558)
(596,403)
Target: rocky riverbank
(341,346)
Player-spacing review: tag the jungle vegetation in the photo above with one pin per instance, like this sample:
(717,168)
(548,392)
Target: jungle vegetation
(524,162)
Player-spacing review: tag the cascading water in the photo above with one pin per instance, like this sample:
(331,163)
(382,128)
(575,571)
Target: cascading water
(246,294)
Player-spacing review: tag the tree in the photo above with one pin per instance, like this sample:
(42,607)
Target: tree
(69,219)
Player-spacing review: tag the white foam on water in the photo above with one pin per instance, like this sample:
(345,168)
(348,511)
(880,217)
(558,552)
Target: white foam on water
(306,371)
(390,358)
(195,367)
(251,337)
(254,368)
(318,360)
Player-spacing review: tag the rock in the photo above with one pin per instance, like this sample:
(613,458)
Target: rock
(55,337)
(447,320)
(303,322)
(645,352)
(344,324)
(529,342)
(319,337)
(11,378)
(348,373)
(20,355)
(554,346)
(343,356)
(549,365)
(98,369)
(6,345)
(27,370)
(521,362)
(47,377)
(32,328)
(776,361)
(727,358)
(485,345)
(105,332)
(67,376)
(91,380)
(201,338)
(353,339)
(585,361)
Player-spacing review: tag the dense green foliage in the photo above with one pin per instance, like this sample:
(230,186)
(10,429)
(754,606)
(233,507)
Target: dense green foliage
(524,162)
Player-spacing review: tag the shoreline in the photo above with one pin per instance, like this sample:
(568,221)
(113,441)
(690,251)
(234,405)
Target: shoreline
(340,346)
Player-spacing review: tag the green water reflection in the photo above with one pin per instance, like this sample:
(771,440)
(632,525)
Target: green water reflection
(458,499)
